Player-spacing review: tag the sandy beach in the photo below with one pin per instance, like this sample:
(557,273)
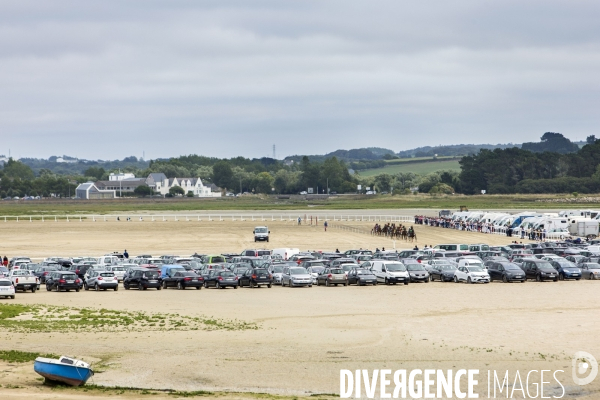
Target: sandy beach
(305,335)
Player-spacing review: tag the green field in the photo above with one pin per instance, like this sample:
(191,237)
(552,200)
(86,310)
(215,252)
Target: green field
(264,203)
(420,168)
(417,159)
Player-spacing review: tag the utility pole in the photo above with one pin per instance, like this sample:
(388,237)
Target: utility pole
(327,186)
(240,185)
(120,185)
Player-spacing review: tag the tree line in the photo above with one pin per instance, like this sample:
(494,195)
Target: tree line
(517,170)
(550,166)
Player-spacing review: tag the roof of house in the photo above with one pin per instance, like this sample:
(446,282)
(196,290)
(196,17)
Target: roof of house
(157,177)
(193,181)
(85,186)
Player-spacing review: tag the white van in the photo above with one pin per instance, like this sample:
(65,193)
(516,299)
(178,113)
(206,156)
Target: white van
(286,252)
(452,247)
(390,272)
(261,233)
(105,261)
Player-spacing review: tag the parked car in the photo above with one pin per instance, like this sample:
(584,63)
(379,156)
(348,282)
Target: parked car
(471,274)
(80,270)
(240,268)
(539,270)
(361,276)
(129,271)
(340,261)
(360,258)
(167,271)
(43,271)
(7,289)
(277,273)
(332,276)
(101,280)
(315,269)
(24,279)
(63,280)
(143,279)
(296,276)
(590,270)
(390,272)
(119,270)
(182,280)
(214,261)
(252,253)
(566,270)
(256,277)
(301,258)
(442,272)
(575,259)
(221,279)
(505,271)
(417,273)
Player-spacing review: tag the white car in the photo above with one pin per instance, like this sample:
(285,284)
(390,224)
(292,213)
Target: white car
(119,270)
(7,288)
(471,274)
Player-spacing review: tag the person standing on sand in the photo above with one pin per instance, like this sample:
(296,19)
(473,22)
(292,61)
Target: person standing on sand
(5,261)
(325,225)
(126,254)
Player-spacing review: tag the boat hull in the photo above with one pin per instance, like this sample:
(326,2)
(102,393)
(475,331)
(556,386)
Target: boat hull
(69,374)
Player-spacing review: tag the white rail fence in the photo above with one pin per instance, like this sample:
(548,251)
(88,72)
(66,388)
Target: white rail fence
(305,218)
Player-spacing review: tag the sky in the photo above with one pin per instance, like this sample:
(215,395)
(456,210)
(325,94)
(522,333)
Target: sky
(110,79)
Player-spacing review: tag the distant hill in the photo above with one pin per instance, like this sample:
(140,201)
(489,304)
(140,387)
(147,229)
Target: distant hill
(452,150)
(373,157)
(66,165)
(362,154)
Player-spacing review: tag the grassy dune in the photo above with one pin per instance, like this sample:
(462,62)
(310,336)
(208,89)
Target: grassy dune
(421,168)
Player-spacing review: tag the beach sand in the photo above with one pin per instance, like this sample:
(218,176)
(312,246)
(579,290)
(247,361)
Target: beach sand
(305,335)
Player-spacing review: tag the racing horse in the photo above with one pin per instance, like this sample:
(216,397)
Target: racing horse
(412,236)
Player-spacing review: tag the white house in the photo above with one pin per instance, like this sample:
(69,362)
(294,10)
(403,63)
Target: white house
(161,184)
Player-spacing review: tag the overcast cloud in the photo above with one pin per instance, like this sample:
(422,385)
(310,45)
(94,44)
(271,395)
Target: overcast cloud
(109,79)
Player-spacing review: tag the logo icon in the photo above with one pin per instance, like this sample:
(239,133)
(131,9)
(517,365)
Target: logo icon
(584,363)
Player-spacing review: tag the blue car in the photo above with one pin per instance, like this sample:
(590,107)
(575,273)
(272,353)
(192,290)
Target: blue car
(566,270)
(168,271)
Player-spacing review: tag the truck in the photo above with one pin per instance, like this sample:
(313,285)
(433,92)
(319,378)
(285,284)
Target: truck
(23,279)
(261,233)
(586,228)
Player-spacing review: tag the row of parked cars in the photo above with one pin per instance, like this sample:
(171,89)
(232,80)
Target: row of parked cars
(258,267)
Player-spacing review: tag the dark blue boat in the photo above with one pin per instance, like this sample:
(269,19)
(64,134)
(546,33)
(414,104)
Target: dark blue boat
(66,370)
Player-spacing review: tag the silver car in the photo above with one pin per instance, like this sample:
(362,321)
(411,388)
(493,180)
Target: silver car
(101,280)
(296,276)
(277,273)
(119,270)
